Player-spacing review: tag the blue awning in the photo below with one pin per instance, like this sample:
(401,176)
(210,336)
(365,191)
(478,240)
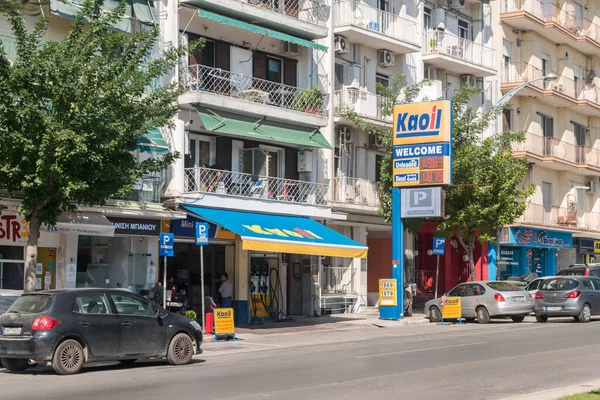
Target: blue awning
(282,234)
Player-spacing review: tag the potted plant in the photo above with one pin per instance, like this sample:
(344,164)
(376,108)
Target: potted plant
(433,45)
(310,101)
(191,315)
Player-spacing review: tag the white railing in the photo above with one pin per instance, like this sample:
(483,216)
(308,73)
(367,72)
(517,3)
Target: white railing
(373,19)
(555,216)
(356,191)
(559,149)
(449,44)
(226,83)
(10,46)
(207,180)
(338,280)
(305,10)
(362,102)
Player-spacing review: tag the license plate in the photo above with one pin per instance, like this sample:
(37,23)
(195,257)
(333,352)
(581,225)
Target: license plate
(11,331)
(519,299)
(553,308)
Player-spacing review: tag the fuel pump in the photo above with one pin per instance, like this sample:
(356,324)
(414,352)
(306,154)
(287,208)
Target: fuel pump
(259,289)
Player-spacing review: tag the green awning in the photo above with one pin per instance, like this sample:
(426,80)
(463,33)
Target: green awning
(153,142)
(260,30)
(141,10)
(222,122)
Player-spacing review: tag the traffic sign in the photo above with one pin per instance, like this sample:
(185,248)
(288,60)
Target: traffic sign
(167,244)
(422,202)
(438,246)
(201,233)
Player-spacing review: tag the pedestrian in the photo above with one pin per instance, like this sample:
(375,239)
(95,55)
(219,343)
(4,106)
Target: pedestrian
(226,291)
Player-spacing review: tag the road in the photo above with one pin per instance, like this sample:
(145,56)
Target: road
(493,361)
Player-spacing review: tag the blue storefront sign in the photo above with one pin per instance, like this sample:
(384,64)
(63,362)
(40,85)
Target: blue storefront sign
(541,238)
(187,228)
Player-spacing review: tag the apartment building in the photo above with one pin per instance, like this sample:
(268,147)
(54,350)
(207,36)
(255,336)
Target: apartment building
(561,121)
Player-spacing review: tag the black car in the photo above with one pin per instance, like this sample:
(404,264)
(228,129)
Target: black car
(70,327)
(581,270)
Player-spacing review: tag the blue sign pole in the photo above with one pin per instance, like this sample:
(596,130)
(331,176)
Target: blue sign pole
(396,312)
(202,240)
(166,249)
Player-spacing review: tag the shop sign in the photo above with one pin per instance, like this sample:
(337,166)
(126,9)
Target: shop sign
(529,237)
(187,228)
(387,292)
(451,308)
(508,257)
(135,226)
(588,246)
(14,230)
(224,321)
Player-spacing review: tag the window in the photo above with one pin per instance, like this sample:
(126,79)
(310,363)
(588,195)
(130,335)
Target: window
(91,304)
(6,302)
(503,287)
(553,284)
(381,81)
(463,29)
(588,284)
(595,272)
(545,64)
(208,54)
(427,19)
(199,153)
(580,134)
(274,73)
(577,79)
(547,125)
(596,283)
(475,290)
(507,120)
(378,160)
(129,305)
(534,285)
(30,304)
(458,291)
(339,76)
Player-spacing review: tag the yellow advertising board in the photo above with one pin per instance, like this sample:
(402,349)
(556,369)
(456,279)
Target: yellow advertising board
(224,321)
(422,151)
(451,308)
(387,292)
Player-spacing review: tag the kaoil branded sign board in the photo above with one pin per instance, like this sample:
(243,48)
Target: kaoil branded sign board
(422,151)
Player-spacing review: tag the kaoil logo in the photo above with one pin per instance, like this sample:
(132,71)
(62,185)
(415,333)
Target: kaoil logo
(419,124)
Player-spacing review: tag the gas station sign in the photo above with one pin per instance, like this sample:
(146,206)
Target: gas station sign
(451,308)
(387,292)
(224,321)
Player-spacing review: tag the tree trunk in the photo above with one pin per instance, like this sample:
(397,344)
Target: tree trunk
(32,254)
(468,247)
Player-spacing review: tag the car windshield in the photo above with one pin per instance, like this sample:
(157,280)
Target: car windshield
(503,287)
(559,284)
(29,304)
(572,271)
(6,302)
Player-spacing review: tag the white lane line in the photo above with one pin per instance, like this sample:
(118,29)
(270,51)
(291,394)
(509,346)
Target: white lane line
(416,350)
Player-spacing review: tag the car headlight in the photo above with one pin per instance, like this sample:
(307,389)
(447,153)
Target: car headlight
(196,325)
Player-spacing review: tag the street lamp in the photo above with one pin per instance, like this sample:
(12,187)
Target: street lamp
(503,100)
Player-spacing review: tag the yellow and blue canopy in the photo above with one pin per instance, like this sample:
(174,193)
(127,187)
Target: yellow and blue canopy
(282,234)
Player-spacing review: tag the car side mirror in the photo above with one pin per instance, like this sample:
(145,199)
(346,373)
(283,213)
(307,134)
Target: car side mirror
(158,313)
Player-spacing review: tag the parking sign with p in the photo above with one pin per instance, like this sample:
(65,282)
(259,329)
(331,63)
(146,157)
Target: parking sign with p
(438,246)
(201,233)
(167,241)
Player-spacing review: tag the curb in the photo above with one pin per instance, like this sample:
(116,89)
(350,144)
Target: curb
(552,394)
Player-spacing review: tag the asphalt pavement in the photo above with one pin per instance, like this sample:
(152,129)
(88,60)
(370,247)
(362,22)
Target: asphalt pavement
(420,361)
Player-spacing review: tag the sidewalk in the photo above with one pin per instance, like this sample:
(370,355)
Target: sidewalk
(553,394)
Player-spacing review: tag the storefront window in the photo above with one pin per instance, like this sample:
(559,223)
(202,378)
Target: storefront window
(12,267)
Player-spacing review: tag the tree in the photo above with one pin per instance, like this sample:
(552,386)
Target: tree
(71,113)
(487,191)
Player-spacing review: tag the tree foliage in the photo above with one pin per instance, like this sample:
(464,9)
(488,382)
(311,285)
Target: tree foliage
(71,114)
(487,192)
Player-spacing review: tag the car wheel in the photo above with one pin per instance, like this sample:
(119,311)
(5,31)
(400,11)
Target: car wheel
(483,315)
(68,358)
(181,350)
(586,314)
(517,318)
(434,314)
(541,318)
(128,362)
(15,364)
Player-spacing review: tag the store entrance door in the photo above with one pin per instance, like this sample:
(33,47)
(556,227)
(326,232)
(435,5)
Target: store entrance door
(539,262)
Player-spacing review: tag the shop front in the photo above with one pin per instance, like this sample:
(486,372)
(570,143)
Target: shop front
(276,261)
(588,251)
(528,250)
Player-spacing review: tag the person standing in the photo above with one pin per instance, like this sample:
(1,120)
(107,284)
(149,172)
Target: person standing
(226,291)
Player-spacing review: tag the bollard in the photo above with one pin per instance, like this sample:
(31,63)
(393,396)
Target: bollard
(209,323)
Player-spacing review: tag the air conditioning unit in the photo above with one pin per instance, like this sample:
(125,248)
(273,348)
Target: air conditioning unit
(375,141)
(290,49)
(386,58)
(592,186)
(468,80)
(432,74)
(457,4)
(479,83)
(342,45)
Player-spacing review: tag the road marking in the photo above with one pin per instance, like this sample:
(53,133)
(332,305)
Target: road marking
(417,350)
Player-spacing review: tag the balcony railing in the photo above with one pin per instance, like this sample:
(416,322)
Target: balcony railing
(449,44)
(239,184)
(338,280)
(576,89)
(550,12)
(305,10)
(362,102)
(356,191)
(553,147)
(561,217)
(147,189)
(226,83)
(373,19)
(10,46)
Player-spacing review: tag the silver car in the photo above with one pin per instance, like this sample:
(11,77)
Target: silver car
(484,300)
(568,296)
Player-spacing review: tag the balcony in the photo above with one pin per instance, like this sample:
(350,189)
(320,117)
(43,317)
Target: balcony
(235,92)
(561,217)
(365,104)
(303,18)
(242,185)
(559,155)
(457,55)
(356,193)
(361,23)
(563,92)
(558,25)
(10,46)
(147,190)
